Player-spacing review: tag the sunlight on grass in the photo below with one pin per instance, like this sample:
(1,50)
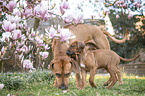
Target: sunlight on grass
(132,76)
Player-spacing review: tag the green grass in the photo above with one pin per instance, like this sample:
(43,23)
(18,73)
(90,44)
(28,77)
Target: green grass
(39,83)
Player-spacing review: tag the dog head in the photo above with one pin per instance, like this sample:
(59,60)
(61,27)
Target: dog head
(62,68)
(75,48)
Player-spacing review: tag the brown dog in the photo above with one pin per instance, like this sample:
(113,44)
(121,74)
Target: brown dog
(92,34)
(62,65)
(91,60)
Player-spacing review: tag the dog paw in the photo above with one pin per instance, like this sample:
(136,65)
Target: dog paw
(105,84)
(94,85)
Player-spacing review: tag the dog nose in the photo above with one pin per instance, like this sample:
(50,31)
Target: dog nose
(63,87)
(67,52)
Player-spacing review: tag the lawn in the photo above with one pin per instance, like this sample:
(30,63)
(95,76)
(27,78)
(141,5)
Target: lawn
(39,83)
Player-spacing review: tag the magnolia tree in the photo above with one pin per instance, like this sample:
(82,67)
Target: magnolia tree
(26,43)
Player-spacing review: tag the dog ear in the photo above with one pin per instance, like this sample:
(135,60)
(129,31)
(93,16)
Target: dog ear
(75,66)
(81,46)
(92,45)
(51,65)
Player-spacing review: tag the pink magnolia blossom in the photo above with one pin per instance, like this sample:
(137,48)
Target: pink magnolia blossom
(25,24)
(32,33)
(23,37)
(72,16)
(46,17)
(20,25)
(17,12)
(3,49)
(4,3)
(20,56)
(41,11)
(28,13)
(38,40)
(27,64)
(11,6)
(63,6)
(23,49)
(52,32)
(44,54)
(118,3)
(122,2)
(78,18)
(16,34)
(1,86)
(22,59)
(62,10)
(130,16)
(68,19)
(125,6)
(117,16)
(46,47)
(64,34)
(13,19)
(8,26)
(138,5)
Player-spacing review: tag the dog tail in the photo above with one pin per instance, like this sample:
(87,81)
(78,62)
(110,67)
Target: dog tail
(116,40)
(123,59)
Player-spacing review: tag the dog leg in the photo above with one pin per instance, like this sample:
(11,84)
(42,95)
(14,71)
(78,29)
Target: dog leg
(119,76)
(109,81)
(113,76)
(83,78)
(78,81)
(92,75)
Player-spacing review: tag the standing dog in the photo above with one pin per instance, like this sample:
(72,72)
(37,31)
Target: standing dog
(62,65)
(92,34)
(96,59)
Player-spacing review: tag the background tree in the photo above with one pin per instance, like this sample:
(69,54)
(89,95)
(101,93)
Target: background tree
(127,14)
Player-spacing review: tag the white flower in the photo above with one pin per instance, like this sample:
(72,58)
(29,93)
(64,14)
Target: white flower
(1,86)
(64,34)
(32,32)
(14,19)
(27,64)
(11,5)
(130,16)
(3,49)
(38,40)
(8,26)
(46,47)
(117,16)
(16,34)
(73,16)
(52,32)
(44,54)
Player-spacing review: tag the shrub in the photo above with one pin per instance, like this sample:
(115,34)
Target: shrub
(20,80)
(11,81)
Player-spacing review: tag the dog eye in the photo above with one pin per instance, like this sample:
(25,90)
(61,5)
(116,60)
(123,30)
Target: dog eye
(72,46)
(58,75)
(66,75)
